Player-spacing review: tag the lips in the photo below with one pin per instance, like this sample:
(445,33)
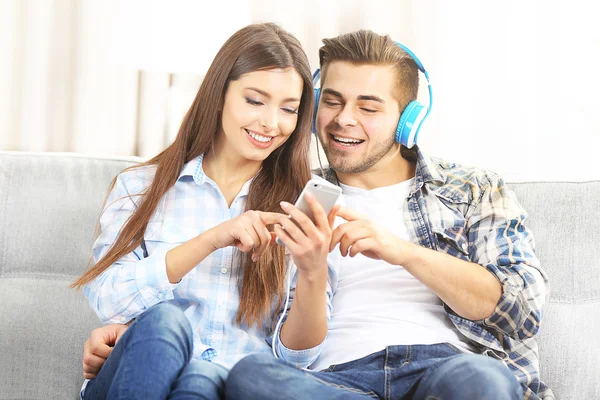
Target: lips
(345,141)
(259,140)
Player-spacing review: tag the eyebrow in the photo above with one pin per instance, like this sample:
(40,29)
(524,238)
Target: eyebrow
(268,96)
(361,97)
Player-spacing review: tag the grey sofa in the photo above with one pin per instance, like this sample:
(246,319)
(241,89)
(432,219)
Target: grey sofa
(49,205)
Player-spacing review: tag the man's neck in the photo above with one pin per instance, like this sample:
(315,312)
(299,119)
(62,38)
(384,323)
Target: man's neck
(388,171)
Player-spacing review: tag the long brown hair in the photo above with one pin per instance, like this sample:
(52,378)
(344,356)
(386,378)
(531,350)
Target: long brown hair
(282,176)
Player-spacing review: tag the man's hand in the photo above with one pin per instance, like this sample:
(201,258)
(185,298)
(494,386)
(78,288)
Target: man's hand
(99,346)
(359,235)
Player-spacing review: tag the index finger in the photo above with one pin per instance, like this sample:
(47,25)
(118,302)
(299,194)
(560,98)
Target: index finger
(349,215)
(270,218)
(101,349)
(98,344)
(332,215)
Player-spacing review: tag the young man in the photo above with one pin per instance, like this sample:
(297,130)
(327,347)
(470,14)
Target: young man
(439,292)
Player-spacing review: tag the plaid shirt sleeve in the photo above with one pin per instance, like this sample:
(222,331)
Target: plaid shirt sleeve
(134,283)
(500,241)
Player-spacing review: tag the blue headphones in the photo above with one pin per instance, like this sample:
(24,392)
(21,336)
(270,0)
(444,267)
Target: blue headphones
(412,117)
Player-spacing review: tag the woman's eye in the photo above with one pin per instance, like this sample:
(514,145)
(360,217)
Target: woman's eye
(290,110)
(253,102)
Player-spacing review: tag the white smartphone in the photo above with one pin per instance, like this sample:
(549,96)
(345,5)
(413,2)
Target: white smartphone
(325,193)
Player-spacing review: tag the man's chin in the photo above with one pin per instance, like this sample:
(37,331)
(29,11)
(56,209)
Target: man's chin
(342,166)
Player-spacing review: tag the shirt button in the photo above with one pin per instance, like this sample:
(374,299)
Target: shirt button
(223,270)
(161,296)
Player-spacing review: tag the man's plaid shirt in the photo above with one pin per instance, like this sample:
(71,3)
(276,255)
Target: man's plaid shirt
(471,214)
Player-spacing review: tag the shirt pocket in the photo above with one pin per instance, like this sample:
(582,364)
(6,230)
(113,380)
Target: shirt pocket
(452,239)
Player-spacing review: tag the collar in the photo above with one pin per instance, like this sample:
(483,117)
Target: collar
(194,169)
(426,170)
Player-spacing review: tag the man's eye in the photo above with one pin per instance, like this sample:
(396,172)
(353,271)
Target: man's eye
(331,103)
(368,110)
(253,102)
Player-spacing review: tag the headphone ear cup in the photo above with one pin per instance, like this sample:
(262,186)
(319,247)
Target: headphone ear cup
(317,98)
(410,123)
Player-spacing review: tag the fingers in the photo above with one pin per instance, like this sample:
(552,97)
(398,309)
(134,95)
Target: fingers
(350,237)
(101,340)
(264,238)
(289,229)
(349,215)
(100,349)
(99,346)
(332,215)
(252,234)
(88,375)
(246,242)
(337,234)
(362,245)
(286,238)
(92,363)
(270,218)
(292,232)
(245,233)
(306,225)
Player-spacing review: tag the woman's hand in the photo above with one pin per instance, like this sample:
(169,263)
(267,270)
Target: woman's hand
(308,242)
(247,232)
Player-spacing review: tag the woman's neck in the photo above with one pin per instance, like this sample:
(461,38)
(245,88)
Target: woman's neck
(229,172)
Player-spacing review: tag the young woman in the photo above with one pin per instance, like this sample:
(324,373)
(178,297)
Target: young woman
(184,253)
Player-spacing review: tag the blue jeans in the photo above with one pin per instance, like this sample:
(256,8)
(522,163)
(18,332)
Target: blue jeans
(153,360)
(423,372)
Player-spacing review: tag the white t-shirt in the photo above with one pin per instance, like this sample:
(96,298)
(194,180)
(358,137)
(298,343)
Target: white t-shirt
(377,304)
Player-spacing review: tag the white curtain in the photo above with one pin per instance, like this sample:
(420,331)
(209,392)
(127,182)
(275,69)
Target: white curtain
(515,82)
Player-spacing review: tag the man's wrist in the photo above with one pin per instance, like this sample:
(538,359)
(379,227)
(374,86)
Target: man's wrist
(406,254)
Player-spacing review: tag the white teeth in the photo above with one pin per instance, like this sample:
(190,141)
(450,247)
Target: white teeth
(346,140)
(262,139)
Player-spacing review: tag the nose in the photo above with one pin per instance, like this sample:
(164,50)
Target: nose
(269,119)
(346,117)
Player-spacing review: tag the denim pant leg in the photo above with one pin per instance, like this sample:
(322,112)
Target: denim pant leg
(263,377)
(432,372)
(200,380)
(469,376)
(147,359)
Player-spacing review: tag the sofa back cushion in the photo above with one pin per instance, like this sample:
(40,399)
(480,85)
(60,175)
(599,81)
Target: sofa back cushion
(565,219)
(49,207)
